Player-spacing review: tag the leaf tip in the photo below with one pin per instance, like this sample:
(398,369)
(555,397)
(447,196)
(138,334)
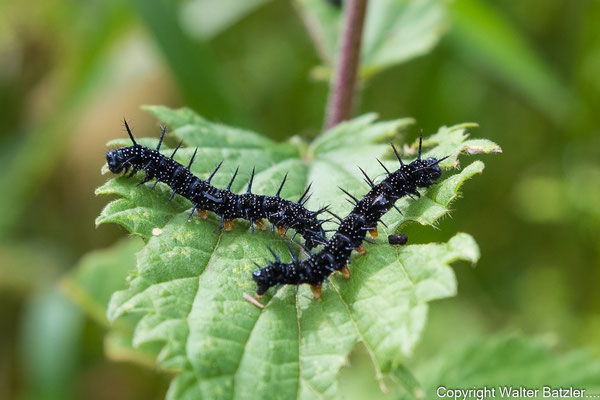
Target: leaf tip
(151,108)
(466,247)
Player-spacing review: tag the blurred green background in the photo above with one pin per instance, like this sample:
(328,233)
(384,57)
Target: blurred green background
(527,72)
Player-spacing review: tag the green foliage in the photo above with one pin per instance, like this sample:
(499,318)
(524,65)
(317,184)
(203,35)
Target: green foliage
(71,70)
(207,18)
(505,359)
(31,159)
(91,284)
(185,295)
(487,38)
(27,265)
(569,195)
(395,31)
(193,64)
(51,330)
(99,274)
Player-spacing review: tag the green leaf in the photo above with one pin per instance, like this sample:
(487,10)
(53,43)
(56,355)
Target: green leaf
(98,275)
(338,166)
(51,329)
(185,295)
(197,131)
(91,284)
(138,214)
(207,18)
(487,38)
(505,360)
(192,63)
(118,346)
(395,31)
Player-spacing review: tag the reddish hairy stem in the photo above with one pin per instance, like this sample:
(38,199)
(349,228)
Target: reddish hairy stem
(343,81)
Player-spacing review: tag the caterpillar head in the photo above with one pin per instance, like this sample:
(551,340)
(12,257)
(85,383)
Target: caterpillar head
(262,277)
(426,172)
(116,160)
(119,159)
(275,273)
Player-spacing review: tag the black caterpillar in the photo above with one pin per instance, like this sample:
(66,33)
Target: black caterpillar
(281,213)
(352,230)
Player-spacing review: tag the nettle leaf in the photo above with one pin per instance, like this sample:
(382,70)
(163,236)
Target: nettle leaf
(395,30)
(338,166)
(185,295)
(508,360)
(138,214)
(99,274)
(91,284)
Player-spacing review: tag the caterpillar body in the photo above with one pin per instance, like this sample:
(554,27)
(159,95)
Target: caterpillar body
(352,230)
(281,213)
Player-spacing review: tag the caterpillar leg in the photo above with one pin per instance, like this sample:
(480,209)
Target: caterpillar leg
(147,178)
(260,224)
(305,250)
(228,225)
(316,289)
(281,230)
(345,272)
(203,214)
(373,232)
(361,250)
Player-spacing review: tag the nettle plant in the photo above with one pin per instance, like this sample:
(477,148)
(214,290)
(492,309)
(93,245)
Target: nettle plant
(184,306)
(181,303)
(184,303)
(175,295)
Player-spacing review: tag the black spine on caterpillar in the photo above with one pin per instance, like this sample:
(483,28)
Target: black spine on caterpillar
(282,213)
(352,230)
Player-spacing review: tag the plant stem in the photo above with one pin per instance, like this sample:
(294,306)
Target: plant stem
(343,81)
